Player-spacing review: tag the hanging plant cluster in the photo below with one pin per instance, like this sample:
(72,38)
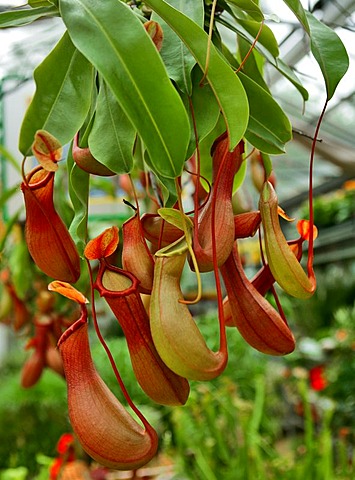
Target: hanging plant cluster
(147,91)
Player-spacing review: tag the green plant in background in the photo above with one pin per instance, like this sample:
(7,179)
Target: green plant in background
(150,89)
(333,209)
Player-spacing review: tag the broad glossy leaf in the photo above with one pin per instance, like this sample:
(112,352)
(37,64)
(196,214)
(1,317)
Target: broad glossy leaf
(126,57)
(16,18)
(278,63)
(178,60)
(249,7)
(289,74)
(251,66)
(329,52)
(10,159)
(205,109)
(79,196)
(225,84)
(269,128)
(297,8)
(112,135)
(64,82)
(39,3)
(205,150)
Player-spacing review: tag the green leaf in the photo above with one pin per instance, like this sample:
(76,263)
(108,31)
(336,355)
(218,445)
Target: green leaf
(17,18)
(20,265)
(326,46)
(178,247)
(39,3)
(176,218)
(249,7)
(329,52)
(240,176)
(10,223)
(205,110)
(278,63)
(10,158)
(79,196)
(114,40)
(178,60)
(64,82)
(112,136)
(269,128)
(289,74)
(225,84)
(298,10)
(205,150)
(251,67)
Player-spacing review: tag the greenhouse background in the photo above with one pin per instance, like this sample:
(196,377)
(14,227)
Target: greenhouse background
(264,418)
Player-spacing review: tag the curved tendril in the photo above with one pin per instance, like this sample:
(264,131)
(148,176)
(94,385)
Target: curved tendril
(192,253)
(251,47)
(109,354)
(134,193)
(272,288)
(23,171)
(198,173)
(208,52)
(161,233)
(147,192)
(310,197)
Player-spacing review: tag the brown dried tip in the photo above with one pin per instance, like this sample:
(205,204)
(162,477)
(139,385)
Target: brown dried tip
(155,32)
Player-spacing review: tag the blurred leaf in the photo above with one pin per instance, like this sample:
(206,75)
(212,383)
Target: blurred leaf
(124,54)
(112,136)
(10,158)
(20,265)
(18,473)
(17,18)
(178,60)
(9,225)
(7,194)
(64,82)
(329,52)
(268,128)
(225,84)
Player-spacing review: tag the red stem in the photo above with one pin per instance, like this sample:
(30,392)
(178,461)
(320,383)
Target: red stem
(310,198)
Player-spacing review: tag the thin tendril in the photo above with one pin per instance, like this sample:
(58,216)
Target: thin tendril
(109,354)
(310,198)
(208,52)
(251,48)
(191,251)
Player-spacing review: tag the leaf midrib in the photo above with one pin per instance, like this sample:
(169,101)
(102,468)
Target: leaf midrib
(133,83)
